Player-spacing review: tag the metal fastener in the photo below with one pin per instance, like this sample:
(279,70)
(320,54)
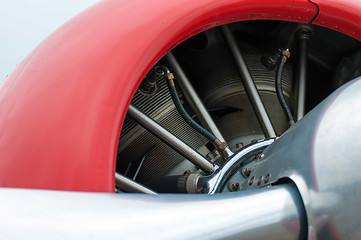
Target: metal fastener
(234,186)
(247,172)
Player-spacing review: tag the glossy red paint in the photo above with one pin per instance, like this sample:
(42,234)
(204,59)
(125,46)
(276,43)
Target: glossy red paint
(63,106)
(342,16)
(302,11)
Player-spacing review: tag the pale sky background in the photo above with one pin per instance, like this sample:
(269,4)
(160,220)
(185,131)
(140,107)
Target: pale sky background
(25,23)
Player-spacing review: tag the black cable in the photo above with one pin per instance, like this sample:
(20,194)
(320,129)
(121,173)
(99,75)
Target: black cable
(186,116)
(280,96)
(182,111)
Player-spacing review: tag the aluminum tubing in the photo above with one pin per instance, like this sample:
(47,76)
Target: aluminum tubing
(301,78)
(249,85)
(130,186)
(171,140)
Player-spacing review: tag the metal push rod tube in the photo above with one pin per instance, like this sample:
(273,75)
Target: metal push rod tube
(130,186)
(301,76)
(249,85)
(171,140)
(192,96)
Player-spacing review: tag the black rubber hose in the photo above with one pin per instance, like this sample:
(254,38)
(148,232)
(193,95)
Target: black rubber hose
(182,111)
(280,96)
(186,116)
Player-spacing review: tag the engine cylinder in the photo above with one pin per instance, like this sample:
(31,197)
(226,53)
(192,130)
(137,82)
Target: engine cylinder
(214,76)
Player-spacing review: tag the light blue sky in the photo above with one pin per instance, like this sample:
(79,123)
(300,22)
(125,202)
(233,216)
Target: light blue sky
(25,23)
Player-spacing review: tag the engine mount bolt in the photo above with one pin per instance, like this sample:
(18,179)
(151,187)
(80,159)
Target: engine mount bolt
(250,182)
(234,186)
(247,172)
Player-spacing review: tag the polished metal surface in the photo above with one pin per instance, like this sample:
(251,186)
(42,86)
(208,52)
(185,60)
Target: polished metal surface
(301,78)
(249,85)
(227,153)
(129,185)
(270,213)
(171,140)
(321,155)
(192,96)
(215,182)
